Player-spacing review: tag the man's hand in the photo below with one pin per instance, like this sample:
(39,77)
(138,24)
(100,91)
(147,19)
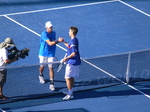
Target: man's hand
(61,39)
(16,59)
(65,59)
(8,61)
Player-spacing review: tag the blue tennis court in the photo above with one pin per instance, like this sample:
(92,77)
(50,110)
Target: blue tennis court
(106,28)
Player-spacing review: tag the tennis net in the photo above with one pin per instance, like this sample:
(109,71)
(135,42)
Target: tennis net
(103,71)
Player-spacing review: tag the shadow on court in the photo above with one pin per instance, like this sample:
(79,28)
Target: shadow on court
(41,2)
(114,92)
(37,2)
(64,110)
(61,110)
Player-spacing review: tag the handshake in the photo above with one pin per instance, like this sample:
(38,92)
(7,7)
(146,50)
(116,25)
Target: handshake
(61,39)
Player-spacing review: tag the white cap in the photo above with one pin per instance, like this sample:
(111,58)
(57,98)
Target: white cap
(48,24)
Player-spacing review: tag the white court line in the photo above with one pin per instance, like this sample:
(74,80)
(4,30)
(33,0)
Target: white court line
(60,8)
(2,110)
(82,59)
(135,8)
(117,78)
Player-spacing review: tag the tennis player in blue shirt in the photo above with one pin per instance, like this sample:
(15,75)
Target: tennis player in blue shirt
(73,61)
(47,52)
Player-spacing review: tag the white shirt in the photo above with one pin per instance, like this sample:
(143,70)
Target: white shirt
(3,56)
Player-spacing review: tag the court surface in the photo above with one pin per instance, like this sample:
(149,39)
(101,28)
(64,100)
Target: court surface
(105,28)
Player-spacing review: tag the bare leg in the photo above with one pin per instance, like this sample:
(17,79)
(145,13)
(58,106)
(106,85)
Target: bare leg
(1,94)
(1,89)
(41,76)
(70,83)
(51,73)
(41,69)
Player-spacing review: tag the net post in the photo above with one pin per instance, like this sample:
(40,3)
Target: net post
(128,68)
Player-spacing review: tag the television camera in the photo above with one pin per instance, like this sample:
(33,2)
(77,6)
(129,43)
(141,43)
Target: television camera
(15,53)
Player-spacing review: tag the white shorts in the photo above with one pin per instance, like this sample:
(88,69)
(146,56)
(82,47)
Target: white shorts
(71,71)
(46,60)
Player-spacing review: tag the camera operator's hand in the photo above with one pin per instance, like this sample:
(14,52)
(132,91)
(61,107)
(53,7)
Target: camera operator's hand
(16,59)
(8,61)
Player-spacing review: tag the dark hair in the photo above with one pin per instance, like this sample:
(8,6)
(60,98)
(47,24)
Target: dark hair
(74,29)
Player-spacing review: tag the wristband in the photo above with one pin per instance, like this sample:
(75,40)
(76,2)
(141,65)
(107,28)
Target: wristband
(56,42)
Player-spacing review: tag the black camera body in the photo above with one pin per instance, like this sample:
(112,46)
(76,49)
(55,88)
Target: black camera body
(15,53)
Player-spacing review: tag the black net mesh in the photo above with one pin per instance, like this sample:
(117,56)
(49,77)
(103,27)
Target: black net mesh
(23,82)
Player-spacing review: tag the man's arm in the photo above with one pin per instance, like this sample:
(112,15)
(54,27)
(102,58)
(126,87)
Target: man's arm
(66,44)
(5,58)
(8,61)
(70,56)
(54,42)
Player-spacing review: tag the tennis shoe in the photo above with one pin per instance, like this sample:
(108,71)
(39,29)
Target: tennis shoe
(51,87)
(68,97)
(41,78)
(3,97)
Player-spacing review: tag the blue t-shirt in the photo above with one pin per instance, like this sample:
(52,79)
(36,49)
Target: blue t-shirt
(45,49)
(73,46)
